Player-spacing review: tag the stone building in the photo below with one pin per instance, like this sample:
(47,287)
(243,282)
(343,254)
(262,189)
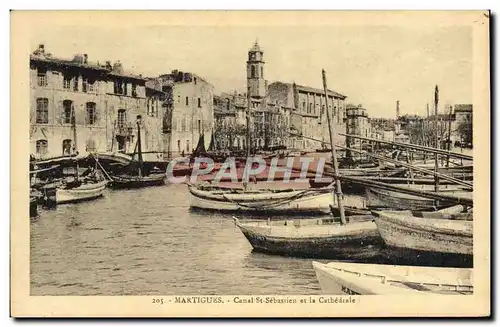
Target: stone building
(357,123)
(309,113)
(189,112)
(103,100)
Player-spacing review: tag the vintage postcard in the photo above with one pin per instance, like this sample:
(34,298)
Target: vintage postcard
(250,164)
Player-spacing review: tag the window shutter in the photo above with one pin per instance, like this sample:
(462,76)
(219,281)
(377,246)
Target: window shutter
(59,113)
(96,115)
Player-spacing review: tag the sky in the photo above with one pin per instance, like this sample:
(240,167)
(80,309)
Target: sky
(372,65)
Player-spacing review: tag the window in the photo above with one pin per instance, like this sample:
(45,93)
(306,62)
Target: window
(41,147)
(67,82)
(75,84)
(187,101)
(42,111)
(67,111)
(183,125)
(187,146)
(66,147)
(120,87)
(310,108)
(261,72)
(92,85)
(199,102)
(124,88)
(178,145)
(85,84)
(134,90)
(178,99)
(91,146)
(42,77)
(304,105)
(252,71)
(199,125)
(91,113)
(122,118)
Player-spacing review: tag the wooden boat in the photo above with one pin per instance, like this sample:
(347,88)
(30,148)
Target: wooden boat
(309,201)
(439,235)
(136,175)
(130,181)
(88,187)
(339,278)
(380,198)
(33,206)
(75,193)
(321,237)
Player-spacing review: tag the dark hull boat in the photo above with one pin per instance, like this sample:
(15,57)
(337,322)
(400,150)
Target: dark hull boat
(313,238)
(33,206)
(128,181)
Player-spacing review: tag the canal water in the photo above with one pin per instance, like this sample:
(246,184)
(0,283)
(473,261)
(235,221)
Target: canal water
(148,242)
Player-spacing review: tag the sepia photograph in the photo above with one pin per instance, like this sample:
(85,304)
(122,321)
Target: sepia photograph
(251,163)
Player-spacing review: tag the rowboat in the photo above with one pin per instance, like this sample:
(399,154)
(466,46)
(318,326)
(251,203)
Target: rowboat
(320,237)
(438,235)
(339,278)
(84,191)
(381,198)
(310,201)
(33,206)
(131,181)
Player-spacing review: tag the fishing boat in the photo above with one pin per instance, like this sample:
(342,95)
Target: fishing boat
(385,198)
(437,235)
(340,278)
(309,201)
(75,192)
(33,206)
(89,186)
(320,237)
(135,175)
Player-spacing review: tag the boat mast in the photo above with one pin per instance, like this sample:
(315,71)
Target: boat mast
(75,147)
(248,141)
(139,149)
(436,100)
(449,138)
(338,187)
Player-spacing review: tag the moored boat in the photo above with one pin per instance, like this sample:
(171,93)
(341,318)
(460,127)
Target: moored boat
(76,193)
(338,278)
(33,206)
(437,235)
(381,198)
(320,238)
(130,181)
(310,201)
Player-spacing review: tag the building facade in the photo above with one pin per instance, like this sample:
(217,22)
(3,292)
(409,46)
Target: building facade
(189,112)
(78,106)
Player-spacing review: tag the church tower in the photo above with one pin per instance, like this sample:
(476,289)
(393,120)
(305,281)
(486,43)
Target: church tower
(256,83)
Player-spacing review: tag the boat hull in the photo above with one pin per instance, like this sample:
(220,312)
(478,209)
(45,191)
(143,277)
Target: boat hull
(33,207)
(426,234)
(353,279)
(82,193)
(333,242)
(397,200)
(310,204)
(124,182)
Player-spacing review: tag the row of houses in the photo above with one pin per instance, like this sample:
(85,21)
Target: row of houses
(105,103)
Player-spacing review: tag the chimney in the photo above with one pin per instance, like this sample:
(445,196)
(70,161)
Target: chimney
(85,58)
(397,109)
(427,110)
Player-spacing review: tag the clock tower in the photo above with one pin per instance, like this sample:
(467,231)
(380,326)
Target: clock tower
(256,83)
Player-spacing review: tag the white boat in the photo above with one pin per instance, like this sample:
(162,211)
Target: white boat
(312,201)
(438,235)
(339,278)
(321,237)
(85,191)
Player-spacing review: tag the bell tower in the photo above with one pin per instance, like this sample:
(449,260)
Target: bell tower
(256,83)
